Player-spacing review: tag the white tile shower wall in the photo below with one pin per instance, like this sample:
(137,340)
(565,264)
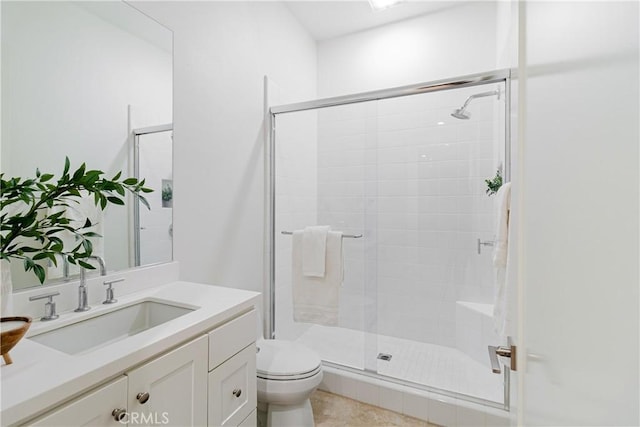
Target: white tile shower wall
(346,169)
(410,178)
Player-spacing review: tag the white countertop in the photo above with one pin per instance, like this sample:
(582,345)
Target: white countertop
(41,377)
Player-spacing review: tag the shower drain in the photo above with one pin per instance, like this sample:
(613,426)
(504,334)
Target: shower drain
(384,356)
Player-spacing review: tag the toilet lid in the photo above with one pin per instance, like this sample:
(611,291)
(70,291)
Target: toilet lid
(277,359)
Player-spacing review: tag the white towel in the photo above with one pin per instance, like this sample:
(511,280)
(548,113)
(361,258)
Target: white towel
(314,249)
(501,245)
(500,252)
(316,299)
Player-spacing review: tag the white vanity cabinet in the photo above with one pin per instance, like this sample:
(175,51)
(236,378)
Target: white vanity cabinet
(93,409)
(211,380)
(170,390)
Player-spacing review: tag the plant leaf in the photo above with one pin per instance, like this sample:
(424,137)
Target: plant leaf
(86,265)
(91,234)
(40,272)
(79,172)
(144,202)
(115,200)
(67,165)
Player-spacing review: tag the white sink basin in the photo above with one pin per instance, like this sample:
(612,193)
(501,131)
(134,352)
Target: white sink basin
(110,327)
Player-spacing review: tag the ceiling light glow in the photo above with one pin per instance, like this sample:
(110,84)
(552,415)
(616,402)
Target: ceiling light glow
(383,4)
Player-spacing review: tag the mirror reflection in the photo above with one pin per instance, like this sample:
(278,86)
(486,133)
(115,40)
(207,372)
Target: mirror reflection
(79,79)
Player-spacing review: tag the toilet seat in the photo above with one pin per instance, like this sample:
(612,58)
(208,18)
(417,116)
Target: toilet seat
(285,361)
(270,377)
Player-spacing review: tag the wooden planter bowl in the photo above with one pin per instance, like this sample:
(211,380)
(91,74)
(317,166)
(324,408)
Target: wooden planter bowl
(10,338)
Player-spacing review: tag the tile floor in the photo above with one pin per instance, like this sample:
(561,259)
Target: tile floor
(331,410)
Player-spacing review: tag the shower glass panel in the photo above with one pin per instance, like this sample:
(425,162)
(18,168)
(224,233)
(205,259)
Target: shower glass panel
(320,181)
(416,303)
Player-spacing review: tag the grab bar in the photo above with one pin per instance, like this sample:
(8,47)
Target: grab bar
(348,236)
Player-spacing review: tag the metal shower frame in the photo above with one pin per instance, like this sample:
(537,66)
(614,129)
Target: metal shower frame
(496,76)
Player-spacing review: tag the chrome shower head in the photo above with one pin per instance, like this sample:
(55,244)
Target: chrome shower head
(461,114)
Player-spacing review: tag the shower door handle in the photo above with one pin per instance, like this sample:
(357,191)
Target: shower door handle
(509,352)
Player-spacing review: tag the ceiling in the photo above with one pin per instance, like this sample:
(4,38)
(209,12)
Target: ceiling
(329,19)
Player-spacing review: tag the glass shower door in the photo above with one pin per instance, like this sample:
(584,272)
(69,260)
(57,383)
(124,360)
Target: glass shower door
(416,304)
(320,173)
(436,226)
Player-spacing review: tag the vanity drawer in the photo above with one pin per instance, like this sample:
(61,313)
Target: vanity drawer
(232,389)
(231,337)
(93,408)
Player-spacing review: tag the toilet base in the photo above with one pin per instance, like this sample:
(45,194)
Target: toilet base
(299,415)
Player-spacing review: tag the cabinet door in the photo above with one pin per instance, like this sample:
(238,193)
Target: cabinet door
(172,389)
(251,420)
(232,389)
(93,409)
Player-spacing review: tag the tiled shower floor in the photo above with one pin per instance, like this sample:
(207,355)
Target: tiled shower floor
(432,365)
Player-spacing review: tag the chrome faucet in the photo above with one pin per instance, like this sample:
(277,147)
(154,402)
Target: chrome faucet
(65,267)
(103,266)
(83,293)
(83,296)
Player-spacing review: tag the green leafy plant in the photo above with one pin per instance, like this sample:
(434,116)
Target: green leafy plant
(494,184)
(32,214)
(167,193)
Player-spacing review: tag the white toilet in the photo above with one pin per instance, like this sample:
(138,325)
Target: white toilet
(287,375)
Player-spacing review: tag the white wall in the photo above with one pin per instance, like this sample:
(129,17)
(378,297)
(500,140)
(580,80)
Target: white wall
(222,50)
(580,213)
(452,42)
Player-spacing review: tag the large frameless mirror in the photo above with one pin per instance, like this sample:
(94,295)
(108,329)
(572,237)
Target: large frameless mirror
(78,80)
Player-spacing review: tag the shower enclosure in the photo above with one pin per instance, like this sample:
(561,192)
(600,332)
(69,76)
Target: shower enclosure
(405,174)
(153,226)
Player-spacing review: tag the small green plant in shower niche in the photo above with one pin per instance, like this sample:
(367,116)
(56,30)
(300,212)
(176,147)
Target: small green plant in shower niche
(34,214)
(167,193)
(494,184)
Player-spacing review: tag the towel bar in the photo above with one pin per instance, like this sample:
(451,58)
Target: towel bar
(484,243)
(348,236)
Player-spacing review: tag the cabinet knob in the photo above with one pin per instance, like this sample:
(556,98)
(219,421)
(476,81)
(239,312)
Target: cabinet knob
(143,397)
(237,392)
(119,414)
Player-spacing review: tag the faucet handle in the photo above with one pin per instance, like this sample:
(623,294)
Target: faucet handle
(111,282)
(110,298)
(49,306)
